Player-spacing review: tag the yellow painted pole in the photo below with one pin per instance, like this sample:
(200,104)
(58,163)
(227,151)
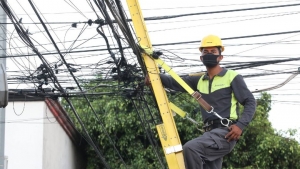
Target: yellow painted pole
(167,131)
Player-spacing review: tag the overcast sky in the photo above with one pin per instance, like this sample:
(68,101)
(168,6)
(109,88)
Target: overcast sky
(285,100)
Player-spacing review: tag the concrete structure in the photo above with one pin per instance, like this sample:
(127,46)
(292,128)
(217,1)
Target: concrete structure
(38,135)
(2,110)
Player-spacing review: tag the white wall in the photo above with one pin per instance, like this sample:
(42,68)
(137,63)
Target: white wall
(59,150)
(24,135)
(35,140)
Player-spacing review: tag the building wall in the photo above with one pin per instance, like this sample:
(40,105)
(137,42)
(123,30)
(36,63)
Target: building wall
(35,140)
(59,150)
(24,135)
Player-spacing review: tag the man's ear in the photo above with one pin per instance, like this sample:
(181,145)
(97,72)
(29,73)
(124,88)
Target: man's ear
(201,58)
(220,58)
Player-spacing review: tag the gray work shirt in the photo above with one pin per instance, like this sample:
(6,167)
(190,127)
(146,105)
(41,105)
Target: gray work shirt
(222,92)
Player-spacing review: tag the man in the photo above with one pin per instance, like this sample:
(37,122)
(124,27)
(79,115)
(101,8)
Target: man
(223,89)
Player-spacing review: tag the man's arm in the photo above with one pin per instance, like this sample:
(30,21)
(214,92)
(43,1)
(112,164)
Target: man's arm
(246,98)
(169,82)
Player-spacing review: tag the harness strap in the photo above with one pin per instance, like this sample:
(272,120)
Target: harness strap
(182,83)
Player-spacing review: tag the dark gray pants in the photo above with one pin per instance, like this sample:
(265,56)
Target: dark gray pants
(208,150)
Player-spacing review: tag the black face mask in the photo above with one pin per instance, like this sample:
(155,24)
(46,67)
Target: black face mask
(210,60)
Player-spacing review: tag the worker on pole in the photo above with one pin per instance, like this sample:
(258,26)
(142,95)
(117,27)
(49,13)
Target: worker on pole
(223,89)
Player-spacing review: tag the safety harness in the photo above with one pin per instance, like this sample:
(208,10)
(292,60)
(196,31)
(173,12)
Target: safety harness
(195,94)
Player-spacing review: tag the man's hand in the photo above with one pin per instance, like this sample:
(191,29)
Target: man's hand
(147,80)
(234,134)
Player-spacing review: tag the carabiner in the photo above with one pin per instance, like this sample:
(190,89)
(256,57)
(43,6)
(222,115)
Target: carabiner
(227,122)
(221,118)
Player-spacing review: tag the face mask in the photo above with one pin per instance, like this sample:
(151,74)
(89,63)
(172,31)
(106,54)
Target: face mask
(210,60)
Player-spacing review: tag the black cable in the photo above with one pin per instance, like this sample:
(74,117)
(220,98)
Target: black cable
(76,9)
(107,45)
(244,65)
(202,6)
(41,14)
(147,130)
(64,52)
(37,27)
(109,50)
(70,47)
(14,60)
(68,66)
(215,12)
(91,5)
(128,35)
(99,153)
(181,7)
(122,61)
(121,20)
(218,23)
(22,110)
(231,38)
(116,36)
(38,32)
(127,31)
(168,44)
(87,40)
(32,21)
(204,13)
(197,42)
(146,19)
(26,39)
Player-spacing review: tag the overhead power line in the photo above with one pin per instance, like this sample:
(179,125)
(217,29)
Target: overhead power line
(163,44)
(277,86)
(231,38)
(215,12)
(34,23)
(204,6)
(176,16)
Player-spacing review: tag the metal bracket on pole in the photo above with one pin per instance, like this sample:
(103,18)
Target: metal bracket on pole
(173,149)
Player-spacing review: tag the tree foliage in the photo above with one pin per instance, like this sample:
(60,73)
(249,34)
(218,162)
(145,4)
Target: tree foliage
(117,122)
(261,146)
(116,116)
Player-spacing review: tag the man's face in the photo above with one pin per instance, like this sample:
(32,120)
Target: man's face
(213,50)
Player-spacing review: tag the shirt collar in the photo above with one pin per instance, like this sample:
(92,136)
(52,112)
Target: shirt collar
(222,73)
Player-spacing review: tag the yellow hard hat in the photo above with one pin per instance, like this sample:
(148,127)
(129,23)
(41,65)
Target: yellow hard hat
(211,41)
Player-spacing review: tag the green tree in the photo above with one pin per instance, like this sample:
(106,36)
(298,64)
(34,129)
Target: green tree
(259,147)
(116,116)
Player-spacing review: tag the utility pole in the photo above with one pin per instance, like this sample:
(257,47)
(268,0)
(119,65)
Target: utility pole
(167,131)
(2,110)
